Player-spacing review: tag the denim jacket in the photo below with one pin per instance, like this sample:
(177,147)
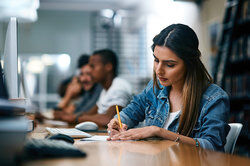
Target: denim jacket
(210,129)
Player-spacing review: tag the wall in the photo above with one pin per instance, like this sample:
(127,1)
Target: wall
(211,11)
(56,32)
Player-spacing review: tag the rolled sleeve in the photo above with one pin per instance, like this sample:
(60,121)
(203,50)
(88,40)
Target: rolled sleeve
(135,111)
(126,120)
(214,127)
(204,143)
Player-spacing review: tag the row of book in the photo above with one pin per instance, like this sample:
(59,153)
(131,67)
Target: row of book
(241,49)
(238,86)
(246,10)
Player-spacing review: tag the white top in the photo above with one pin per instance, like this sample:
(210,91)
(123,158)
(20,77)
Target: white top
(170,119)
(119,93)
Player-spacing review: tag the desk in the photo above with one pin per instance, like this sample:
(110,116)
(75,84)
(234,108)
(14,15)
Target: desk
(140,153)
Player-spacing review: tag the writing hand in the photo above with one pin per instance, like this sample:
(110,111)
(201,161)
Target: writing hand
(135,134)
(114,128)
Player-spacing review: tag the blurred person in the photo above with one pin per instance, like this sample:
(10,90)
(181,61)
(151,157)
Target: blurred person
(81,93)
(116,91)
(63,87)
(70,91)
(181,103)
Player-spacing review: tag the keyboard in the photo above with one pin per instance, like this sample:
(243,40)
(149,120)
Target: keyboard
(75,133)
(46,148)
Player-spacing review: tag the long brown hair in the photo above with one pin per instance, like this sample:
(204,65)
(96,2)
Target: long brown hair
(183,41)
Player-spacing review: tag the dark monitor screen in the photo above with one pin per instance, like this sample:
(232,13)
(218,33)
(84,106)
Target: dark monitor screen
(3,89)
(7,108)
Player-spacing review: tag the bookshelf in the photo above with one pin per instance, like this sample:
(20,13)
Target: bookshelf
(233,66)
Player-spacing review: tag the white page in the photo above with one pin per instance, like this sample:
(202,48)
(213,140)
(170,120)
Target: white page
(96,138)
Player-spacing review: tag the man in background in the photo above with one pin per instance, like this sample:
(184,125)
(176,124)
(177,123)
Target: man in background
(116,91)
(81,93)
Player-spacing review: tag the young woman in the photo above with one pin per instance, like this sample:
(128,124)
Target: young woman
(181,103)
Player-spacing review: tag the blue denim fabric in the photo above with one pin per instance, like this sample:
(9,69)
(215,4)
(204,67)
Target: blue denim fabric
(211,128)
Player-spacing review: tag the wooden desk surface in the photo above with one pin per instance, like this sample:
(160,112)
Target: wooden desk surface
(140,153)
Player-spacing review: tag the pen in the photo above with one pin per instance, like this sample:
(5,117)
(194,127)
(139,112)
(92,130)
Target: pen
(119,118)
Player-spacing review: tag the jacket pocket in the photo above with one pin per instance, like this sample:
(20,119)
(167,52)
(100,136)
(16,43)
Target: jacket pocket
(150,114)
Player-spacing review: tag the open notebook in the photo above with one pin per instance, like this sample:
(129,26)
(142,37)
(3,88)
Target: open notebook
(73,132)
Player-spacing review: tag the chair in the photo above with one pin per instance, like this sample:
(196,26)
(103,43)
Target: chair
(232,137)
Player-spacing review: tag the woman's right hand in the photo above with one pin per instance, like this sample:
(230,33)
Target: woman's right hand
(114,128)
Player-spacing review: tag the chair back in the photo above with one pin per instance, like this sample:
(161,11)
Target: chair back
(232,137)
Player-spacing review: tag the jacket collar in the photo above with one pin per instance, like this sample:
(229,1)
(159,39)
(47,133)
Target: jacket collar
(164,92)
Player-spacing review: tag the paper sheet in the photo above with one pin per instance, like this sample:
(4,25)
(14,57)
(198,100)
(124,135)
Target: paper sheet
(55,122)
(96,138)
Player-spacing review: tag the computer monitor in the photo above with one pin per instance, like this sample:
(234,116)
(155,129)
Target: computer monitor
(10,59)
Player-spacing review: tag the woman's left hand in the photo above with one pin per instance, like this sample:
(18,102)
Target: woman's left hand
(137,133)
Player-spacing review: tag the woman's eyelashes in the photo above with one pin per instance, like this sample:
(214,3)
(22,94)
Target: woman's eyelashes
(168,64)
(156,60)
